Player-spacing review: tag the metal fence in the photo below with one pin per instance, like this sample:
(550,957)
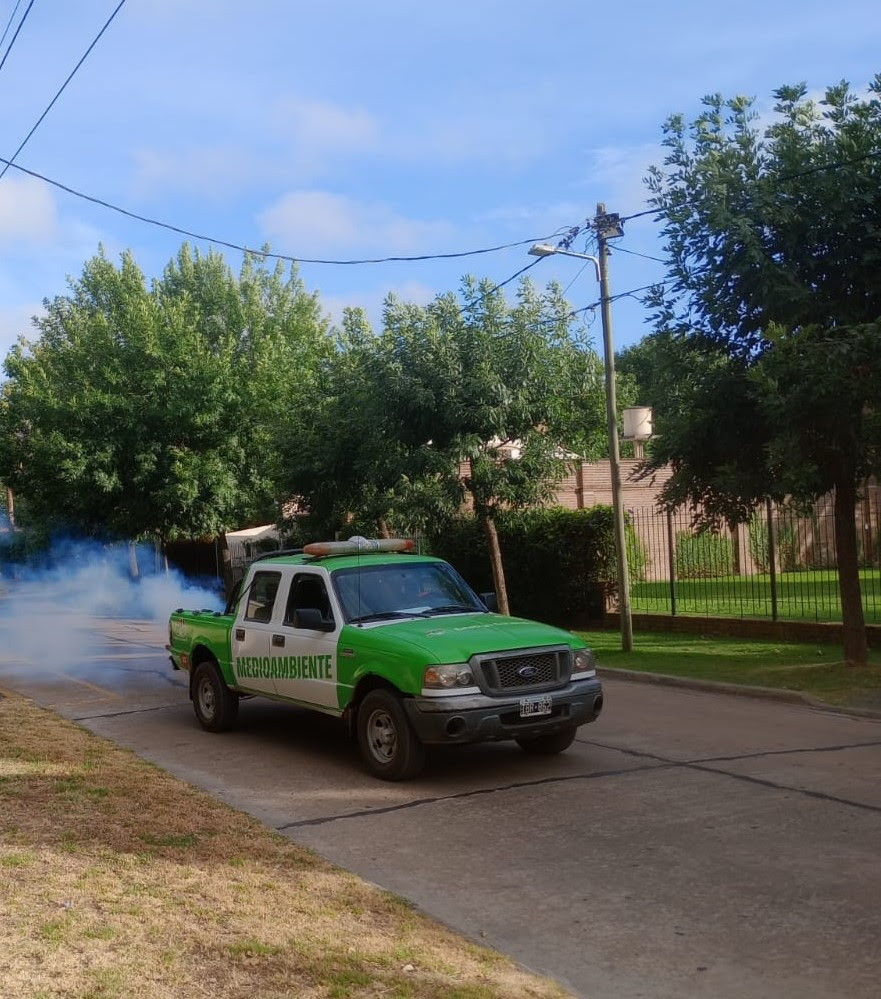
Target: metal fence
(781,565)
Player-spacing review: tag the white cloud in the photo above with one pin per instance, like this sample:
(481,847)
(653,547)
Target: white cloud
(618,172)
(320,126)
(27,211)
(310,137)
(314,222)
(212,171)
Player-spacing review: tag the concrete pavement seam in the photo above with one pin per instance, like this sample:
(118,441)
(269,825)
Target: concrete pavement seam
(416,802)
(807,792)
(701,765)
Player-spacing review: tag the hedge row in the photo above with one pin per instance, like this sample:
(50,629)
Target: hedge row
(557,562)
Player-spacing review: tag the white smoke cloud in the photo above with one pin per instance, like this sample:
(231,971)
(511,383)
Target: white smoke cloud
(47,614)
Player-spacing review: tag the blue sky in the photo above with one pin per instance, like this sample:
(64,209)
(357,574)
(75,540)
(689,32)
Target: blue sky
(345,129)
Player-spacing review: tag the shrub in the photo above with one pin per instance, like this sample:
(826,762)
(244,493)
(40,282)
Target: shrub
(636,555)
(557,562)
(758,541)
(703,555)
(786,543)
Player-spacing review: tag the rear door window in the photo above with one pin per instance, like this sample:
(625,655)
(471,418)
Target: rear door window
(261,597)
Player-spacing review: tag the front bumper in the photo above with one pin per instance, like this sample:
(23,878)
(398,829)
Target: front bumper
(481,718)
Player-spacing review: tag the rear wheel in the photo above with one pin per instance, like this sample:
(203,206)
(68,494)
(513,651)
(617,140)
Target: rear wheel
(548,745)
(216,706)
(386,739)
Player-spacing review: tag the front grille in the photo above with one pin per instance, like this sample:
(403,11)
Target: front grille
(532,669)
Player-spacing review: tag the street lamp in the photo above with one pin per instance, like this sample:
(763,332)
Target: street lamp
(601,266)
(546,250)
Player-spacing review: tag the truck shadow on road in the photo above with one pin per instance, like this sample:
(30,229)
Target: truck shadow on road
(320,741)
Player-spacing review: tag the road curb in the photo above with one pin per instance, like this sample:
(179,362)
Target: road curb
(739,690)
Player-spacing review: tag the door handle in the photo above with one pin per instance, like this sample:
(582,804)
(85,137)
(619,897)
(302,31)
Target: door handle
(240,634)
(278,641)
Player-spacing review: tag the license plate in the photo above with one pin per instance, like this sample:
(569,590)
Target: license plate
(532,706)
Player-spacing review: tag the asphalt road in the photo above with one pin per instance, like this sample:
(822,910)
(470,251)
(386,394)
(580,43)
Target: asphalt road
(689,844)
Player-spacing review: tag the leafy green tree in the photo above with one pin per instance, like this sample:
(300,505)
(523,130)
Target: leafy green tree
(483,404)
(150,411)
(488,402)
(663,371)
(772,238)
(342,462)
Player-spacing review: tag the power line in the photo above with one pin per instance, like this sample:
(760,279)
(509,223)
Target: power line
(588,246)
(20,24)
(639,215)
(634,253)
(502,284)
(566,240)
(9,22)
(612,298)
(61,89)
(244,249)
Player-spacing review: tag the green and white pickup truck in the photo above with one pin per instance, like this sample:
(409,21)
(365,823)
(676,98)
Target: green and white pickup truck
(398,644)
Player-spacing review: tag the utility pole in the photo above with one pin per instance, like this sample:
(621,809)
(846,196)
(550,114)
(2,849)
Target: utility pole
(608,226)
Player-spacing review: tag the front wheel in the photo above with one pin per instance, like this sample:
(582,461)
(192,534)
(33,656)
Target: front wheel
(548,745)
(386,739)
(216,706)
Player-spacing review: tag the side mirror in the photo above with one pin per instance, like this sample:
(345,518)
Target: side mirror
(310,619)
(491,601)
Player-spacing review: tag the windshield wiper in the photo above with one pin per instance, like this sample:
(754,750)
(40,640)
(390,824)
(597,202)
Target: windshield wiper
(386,616)
(453,609)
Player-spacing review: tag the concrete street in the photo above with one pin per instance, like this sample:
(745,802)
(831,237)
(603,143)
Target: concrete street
(689,844)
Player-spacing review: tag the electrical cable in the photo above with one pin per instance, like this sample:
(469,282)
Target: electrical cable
(261,253)
(61,89)
(635,253)
(502,284)
(24,17)
(565,241)
(588,247)
(9,22)
(578,274)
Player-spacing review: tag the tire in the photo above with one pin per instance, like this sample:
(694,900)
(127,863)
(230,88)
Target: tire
(550,744)
(386,739)
(216,706)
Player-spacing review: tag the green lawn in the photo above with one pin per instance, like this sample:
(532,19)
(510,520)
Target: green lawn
(801,596)
(816,670)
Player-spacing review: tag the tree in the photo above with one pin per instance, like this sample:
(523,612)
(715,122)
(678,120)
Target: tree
(150,411)
(488,403)
(448,404)
(662,371)
(772,238)
(342,462)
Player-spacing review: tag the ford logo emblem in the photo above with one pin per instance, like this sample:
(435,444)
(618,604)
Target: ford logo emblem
(527,672)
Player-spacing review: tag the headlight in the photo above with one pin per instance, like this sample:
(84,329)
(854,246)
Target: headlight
(582,661)
(448,675)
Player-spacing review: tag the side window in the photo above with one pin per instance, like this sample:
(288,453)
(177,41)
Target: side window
(308,592)
(261,596)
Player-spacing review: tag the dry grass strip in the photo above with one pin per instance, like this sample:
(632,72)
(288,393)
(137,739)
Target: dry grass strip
(117,880)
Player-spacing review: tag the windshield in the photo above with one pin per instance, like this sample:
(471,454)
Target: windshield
(418,589)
